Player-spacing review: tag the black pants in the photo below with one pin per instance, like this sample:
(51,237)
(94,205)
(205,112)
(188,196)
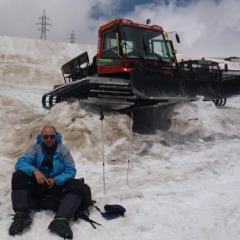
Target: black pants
(21,181)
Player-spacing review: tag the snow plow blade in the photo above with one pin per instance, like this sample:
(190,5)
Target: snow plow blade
(230,85)
(187,81)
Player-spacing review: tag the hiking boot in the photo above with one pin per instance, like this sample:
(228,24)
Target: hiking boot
(21,220)
(61,227)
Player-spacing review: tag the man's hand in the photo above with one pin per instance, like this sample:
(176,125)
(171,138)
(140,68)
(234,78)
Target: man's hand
(41,179)
(51,182)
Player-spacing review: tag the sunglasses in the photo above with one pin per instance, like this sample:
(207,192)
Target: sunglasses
(46,137)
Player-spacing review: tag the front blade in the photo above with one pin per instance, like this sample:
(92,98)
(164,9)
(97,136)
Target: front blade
(152,82)
(230,85)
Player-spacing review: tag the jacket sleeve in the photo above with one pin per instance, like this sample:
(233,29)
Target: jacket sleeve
(26,163)
(69,170)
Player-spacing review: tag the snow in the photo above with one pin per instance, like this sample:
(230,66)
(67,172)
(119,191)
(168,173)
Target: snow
(182,181)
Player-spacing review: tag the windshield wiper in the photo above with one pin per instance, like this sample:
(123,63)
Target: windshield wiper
(145,48)
(158,56)
(124,44)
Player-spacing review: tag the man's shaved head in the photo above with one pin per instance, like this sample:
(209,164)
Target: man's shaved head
(49,127)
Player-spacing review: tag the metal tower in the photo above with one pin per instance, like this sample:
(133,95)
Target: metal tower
(72,37)
(44,23)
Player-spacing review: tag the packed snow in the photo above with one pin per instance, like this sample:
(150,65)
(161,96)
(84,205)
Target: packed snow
(177,182)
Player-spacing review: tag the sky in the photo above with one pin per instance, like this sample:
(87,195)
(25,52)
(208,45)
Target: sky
(181,183)
(208,28)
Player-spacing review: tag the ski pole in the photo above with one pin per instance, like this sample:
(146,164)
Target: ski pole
(101,118)
(130,143)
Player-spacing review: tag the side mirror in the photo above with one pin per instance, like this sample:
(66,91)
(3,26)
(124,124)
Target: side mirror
(115,27)
(177,38)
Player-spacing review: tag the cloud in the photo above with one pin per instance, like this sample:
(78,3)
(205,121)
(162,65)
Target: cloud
(206,27)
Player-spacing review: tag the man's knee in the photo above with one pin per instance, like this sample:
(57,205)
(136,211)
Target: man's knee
(19,180)
(75,186)
(18,175)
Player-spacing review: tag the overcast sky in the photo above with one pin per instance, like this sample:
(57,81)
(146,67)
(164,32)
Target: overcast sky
(207,28)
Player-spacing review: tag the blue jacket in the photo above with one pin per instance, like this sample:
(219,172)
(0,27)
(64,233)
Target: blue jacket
(63,163)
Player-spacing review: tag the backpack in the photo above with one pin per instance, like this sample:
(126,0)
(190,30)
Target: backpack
(52,202)
(86,201)
(83,209)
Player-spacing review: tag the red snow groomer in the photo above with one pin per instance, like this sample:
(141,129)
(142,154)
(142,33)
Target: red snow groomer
(135,66)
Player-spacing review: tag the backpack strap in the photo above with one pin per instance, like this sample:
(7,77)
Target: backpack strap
(82,215)
(87,219)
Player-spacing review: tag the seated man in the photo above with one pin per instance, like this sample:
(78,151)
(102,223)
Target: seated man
(46,168)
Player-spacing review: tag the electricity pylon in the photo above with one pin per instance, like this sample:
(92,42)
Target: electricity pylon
(72,37)
(44,24)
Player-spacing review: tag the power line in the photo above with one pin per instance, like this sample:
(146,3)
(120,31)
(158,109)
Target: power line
(44,24)
(72,37)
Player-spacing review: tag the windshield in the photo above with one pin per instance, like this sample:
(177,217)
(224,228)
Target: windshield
(144,43)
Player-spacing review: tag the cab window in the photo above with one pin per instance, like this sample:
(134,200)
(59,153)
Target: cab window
(109,45)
